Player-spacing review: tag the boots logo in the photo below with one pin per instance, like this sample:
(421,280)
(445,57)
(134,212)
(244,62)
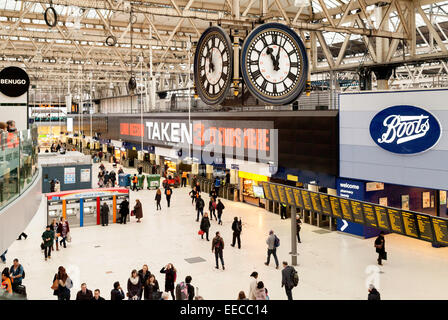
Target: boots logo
(405,129)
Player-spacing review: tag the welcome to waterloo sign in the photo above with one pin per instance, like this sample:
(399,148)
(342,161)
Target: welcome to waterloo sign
(405,129)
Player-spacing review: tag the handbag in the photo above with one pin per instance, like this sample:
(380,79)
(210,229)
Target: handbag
(42,246)
(132,213)
(68,237)
(55,285)
(200,232)
(384,255)
(157,295)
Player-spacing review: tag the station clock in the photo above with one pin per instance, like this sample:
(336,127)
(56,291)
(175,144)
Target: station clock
(213,65)
(274,64)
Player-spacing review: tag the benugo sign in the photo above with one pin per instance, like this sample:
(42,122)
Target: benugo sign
(232,134)
(14,82)
(405,129)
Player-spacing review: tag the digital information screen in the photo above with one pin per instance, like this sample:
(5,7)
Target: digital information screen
(315,200)
(440,230)
(325,204)
(274,192)
(369,215)
(290,196)
(267,191)
(346,209)
(335,207)
(410,224)
(298,198)
(425,228)
(281,194)
(358,217)
(381,216)
(306,200)
(396,221)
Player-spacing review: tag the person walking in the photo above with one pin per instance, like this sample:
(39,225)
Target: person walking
(134,183)
(213,194)
(217,185)
(170,278)
(219,207)
(298,227)
(260,292)
(143,274)
(84,294)
(198,187)
(138,210)
(54,228)
(117,294)
(253,285)
(205,226)
(199,207)
(273,242)
(47,238)
(16,273)
(283,211)
(124,211)
(134,286)
(193,195)
(288,279)
(237,227)
(104,214)
(151,291)
(158,198)
(380,245)
(212,208)
(168,193)
(63,230)
(62,284)
(184,179)
(217,248)
(373,293)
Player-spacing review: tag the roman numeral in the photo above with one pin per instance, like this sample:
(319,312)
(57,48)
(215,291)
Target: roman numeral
(256,74)
(264,85)
(202,67)
(294,65)
(224,76)
(283,42)
(291,52)
(265,43)
(208,87)
(274,88)
(253,62)
(274,38)
(225,63)
(292,76)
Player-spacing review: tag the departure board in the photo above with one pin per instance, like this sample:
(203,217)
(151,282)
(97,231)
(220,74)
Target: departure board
(315,200)
(306,200)
(381,216)
(325,204)
(274,192)
(396,221)
(335,207)
(346,209)
(410,224)
(440,230)
(425,228)
(369,215)
(358,216)
(281,194)
(267,191)
(290,196)
(298,198)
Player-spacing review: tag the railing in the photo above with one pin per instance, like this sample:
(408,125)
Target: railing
(18,163)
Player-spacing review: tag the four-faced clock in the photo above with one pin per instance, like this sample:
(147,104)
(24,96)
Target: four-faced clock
(213,65)
(274,63)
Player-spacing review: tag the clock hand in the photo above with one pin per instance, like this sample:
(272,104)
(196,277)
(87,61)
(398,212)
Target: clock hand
(276,68)
(210,63)
(269,51)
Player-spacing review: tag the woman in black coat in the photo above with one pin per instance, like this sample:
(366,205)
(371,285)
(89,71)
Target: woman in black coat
(124,211)
(151,289)
(144,275)
(170,278)
(134,286)
(205,226)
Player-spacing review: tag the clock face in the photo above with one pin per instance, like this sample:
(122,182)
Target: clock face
(274,64)
(213,65)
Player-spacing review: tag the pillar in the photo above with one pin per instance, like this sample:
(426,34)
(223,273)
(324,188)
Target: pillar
(382,77)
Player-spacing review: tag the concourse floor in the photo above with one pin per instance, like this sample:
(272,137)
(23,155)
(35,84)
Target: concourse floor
(332,265)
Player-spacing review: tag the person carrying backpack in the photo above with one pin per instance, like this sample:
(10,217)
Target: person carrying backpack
(199,207)
(182,291)
(220,207)
(168,193)
(134,183)
(212,208)
(273,243)
(237,227)
(290,279)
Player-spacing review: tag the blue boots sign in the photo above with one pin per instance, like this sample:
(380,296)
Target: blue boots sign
(405,129)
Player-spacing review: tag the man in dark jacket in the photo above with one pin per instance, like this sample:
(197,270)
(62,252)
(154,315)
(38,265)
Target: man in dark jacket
(220,207)
(200,204)
(124,211)
(373,293)
(287,280)
(117,293)
(168,193)
(217,248)
(97,297)
(237,227)
(47,238)
(380,245)
(84,294)
(104,214)
(190,288)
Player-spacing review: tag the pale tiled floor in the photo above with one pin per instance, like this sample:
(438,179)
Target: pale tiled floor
(332,265)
